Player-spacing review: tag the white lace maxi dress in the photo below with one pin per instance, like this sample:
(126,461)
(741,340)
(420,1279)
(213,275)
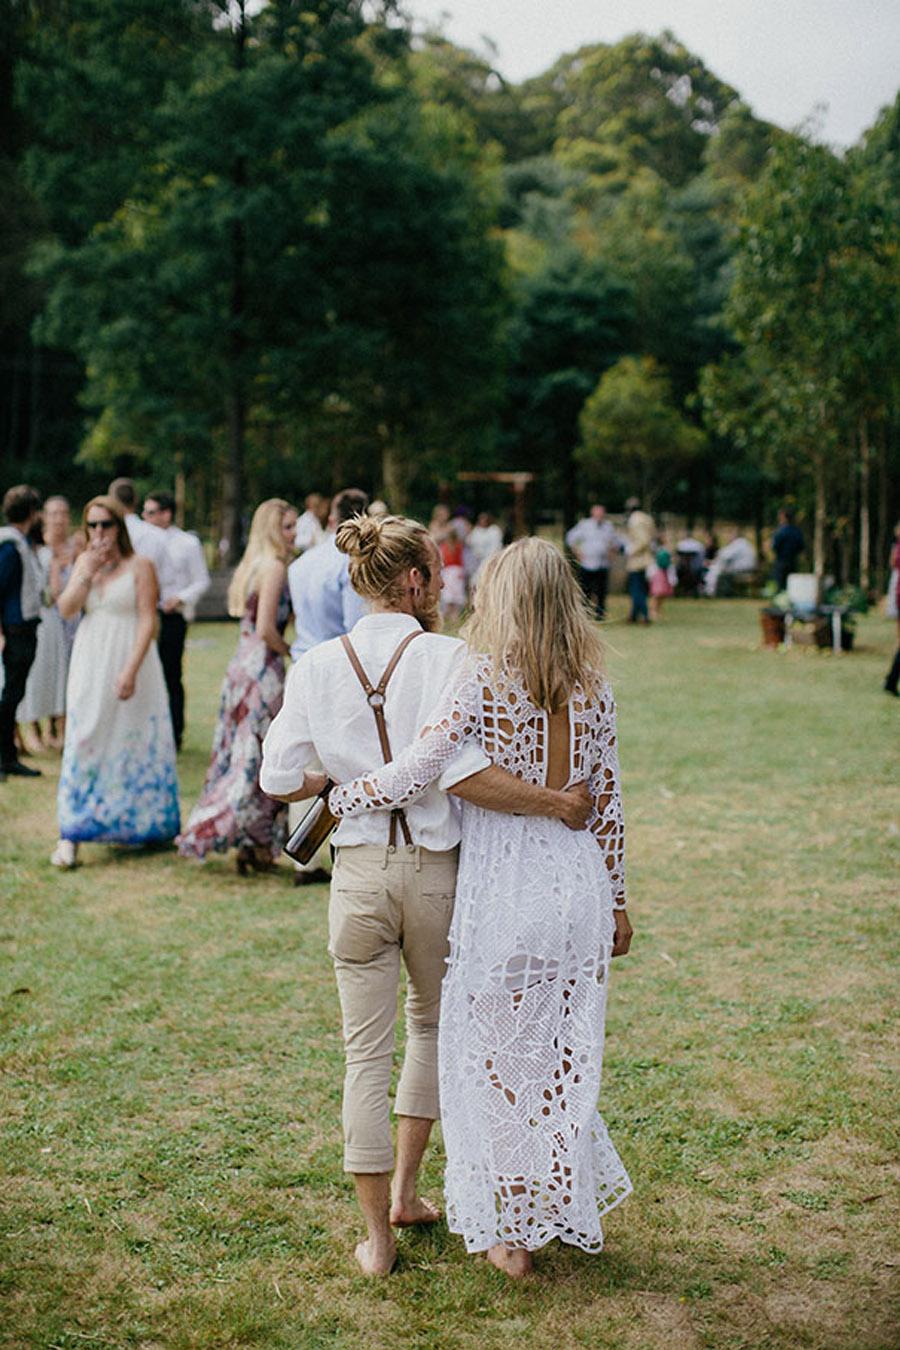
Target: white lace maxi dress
(529,1158)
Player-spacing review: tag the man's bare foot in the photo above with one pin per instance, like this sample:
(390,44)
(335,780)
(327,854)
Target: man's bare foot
(513,1261)
(416,1211)
(376,1259)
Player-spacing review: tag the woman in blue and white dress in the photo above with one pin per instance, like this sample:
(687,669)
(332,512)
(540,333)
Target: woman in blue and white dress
(118,782)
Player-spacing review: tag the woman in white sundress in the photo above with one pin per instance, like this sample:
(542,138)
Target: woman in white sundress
(539,914)
(118,783)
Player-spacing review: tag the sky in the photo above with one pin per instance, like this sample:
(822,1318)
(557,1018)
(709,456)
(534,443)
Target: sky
(836,60)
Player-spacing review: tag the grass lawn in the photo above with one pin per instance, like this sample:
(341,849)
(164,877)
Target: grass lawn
(170,1096)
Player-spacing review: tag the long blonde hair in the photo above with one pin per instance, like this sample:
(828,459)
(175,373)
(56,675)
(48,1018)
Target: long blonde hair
(531,620)
(265,544)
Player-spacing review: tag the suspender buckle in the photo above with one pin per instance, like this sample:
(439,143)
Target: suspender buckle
(375,699)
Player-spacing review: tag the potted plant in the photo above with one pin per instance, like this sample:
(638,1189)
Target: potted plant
(771,616)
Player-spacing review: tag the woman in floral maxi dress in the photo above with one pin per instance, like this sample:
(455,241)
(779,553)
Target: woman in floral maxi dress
(539,913)
(232,811)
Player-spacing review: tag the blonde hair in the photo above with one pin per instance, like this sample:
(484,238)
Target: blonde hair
(265,544)
(117,511)
(531,620)
(380,550)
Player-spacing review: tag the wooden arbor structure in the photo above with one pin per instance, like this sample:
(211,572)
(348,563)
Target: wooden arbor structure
(519,482)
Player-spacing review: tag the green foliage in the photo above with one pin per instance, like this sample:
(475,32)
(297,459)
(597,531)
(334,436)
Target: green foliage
(630,423)
(302,236)
(571,322)
(643,103)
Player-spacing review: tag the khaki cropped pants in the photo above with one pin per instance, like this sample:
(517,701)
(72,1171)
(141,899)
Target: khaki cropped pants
(385,904)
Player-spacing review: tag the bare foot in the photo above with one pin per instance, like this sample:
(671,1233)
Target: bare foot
(377,1259)
(418,1210)
(513,1261)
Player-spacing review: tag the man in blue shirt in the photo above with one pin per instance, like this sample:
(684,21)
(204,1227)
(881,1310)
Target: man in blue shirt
(787,545)
(20,604)
(325,606)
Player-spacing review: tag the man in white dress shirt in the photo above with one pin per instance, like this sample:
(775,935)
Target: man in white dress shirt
(147,540)
(389,900)
(593,540)
(187,578)
(311,526)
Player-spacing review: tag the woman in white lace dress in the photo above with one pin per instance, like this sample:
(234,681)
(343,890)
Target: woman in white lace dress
(539,913)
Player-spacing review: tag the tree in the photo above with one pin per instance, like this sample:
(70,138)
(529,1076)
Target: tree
(644,102)
(631,423)
(815,300)
(572,320)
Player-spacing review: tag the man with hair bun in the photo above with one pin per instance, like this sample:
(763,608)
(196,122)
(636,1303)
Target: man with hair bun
(394,879)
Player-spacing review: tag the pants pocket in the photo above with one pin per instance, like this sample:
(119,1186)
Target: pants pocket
(358,926)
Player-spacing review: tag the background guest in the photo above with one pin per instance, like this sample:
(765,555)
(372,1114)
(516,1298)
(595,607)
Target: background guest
(20,607)
(149,541)
(639,548)
(787,545)
(311,526)
(186,579)
(592,541)
(661,583)
(453,566)
(45,692)
(736,557)
(232,811)
(485,539)
(893,676)
(118,783)
(325,606)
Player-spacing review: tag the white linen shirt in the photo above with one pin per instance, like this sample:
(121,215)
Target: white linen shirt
(325,714)
(149,541)
(593,541)
(188,576)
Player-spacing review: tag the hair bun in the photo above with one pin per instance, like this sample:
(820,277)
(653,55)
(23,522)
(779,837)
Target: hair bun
(359,536)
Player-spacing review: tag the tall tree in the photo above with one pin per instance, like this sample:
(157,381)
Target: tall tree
(630,423)
(572,321)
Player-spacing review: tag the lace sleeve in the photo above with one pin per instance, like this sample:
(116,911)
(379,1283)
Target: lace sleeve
(406,777)
(607,821)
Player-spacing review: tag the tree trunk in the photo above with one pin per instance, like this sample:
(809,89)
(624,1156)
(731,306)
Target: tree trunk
(180,495)
(882,546)
(235,399)
(818,460)
(570,488)
(865,578)
(395,475)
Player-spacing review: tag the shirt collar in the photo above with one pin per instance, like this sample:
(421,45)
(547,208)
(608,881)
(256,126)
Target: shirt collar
(405,623)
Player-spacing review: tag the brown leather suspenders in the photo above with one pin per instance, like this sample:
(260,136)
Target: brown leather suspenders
(375,699)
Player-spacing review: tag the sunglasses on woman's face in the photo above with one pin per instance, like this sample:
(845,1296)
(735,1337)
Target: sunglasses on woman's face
(101,524)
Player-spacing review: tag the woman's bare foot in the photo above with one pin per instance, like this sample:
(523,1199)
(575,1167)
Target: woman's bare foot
(376,1258)
(415,1211)
(513,1261)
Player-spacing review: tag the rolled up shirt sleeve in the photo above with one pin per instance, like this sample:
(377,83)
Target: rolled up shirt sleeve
(288,747)
(470,759)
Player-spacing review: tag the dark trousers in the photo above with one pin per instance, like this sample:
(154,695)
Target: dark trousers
(893,677)
(595,584)
(638,590)
(18,655)
(172,632)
